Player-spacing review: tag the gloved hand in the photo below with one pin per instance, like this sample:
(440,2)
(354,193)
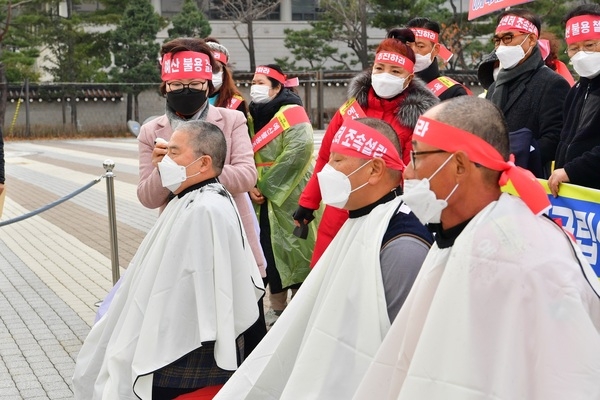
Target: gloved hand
(303,214)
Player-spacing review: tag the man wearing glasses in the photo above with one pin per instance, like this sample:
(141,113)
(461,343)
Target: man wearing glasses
(530,95)
(578,153)
(505,305)
(322,344)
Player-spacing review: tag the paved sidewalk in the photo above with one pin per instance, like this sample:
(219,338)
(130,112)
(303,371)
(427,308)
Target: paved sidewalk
(56,265)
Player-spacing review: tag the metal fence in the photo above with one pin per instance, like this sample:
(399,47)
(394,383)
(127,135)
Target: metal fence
(112,216)
(68,109)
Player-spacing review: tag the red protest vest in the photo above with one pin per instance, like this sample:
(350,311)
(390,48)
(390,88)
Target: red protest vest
(443,83)
(279,123)
(351,109)
(235,101)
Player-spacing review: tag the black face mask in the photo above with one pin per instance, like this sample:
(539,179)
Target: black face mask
(186,102)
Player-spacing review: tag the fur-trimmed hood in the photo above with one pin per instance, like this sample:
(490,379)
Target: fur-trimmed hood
(418,98)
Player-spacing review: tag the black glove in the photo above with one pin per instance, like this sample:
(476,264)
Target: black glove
(300,215)
(303,213)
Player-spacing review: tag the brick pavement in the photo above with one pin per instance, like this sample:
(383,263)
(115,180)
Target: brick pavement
(56,265)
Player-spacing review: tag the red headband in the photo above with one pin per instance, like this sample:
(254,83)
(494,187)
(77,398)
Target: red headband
(452,139)
(582,27)
(445,53)
(426,34)
(185,65)
(278,76)
(359,140)
(544,45)
(513,22)
(388,57)
(222,57)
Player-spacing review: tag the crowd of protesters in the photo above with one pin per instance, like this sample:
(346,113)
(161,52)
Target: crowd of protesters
(396,266)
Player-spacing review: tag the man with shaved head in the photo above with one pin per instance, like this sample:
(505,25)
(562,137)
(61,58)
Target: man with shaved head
(322,345)
(505,305)
(176,320)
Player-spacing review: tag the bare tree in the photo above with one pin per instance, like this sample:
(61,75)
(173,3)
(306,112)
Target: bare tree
(347,21)
(245,12)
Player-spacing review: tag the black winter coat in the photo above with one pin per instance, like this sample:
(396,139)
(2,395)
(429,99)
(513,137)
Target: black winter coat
(579,148)
(536,103)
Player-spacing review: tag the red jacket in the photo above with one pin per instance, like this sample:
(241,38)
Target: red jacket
(400,112)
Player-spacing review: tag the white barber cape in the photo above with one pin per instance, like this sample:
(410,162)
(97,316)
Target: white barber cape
(510,312)
(323,343)
(192,280)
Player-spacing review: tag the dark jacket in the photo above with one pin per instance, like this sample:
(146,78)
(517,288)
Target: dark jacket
(578,151)
(433,72)
(485,70)
(535,101)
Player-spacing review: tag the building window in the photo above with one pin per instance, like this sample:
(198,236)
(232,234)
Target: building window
(303,10)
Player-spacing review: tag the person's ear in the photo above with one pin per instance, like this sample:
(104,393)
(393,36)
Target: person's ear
(206,163)
(409,79)
(436,50)
(532,40)
(378,169)
(463,164)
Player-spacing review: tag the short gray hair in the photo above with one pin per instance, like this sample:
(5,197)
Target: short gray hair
(477,116)
(385,129)
(206,139)
(388,131)
(481,118)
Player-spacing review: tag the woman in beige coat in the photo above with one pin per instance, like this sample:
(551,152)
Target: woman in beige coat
(239,174)
(186,93)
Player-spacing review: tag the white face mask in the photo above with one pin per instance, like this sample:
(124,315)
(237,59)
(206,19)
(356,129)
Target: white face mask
(510,56)
(387,85)
(172,175)
(423,62)
(423,201)
(260,93)
(586,65)
(217,79)
(335,186)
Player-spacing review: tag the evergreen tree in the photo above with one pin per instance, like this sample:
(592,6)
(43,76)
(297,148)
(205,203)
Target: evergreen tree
(347,21)
(17,48)
(136,51)
(389,14)
(312,46)
(20,44)
(190,22)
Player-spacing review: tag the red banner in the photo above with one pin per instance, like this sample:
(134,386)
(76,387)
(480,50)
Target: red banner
(477,8)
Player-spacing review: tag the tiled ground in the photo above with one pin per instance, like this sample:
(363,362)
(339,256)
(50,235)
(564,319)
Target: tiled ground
(56,265)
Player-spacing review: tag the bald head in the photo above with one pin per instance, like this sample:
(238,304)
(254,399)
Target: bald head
(477,116)
(386,130)
(206,138)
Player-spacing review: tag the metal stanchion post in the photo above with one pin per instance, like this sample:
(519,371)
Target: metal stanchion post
(109,165)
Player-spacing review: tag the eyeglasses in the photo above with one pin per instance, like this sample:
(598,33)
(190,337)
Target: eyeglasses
(414,154)
(587,48)
(177,87)
(506,39)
